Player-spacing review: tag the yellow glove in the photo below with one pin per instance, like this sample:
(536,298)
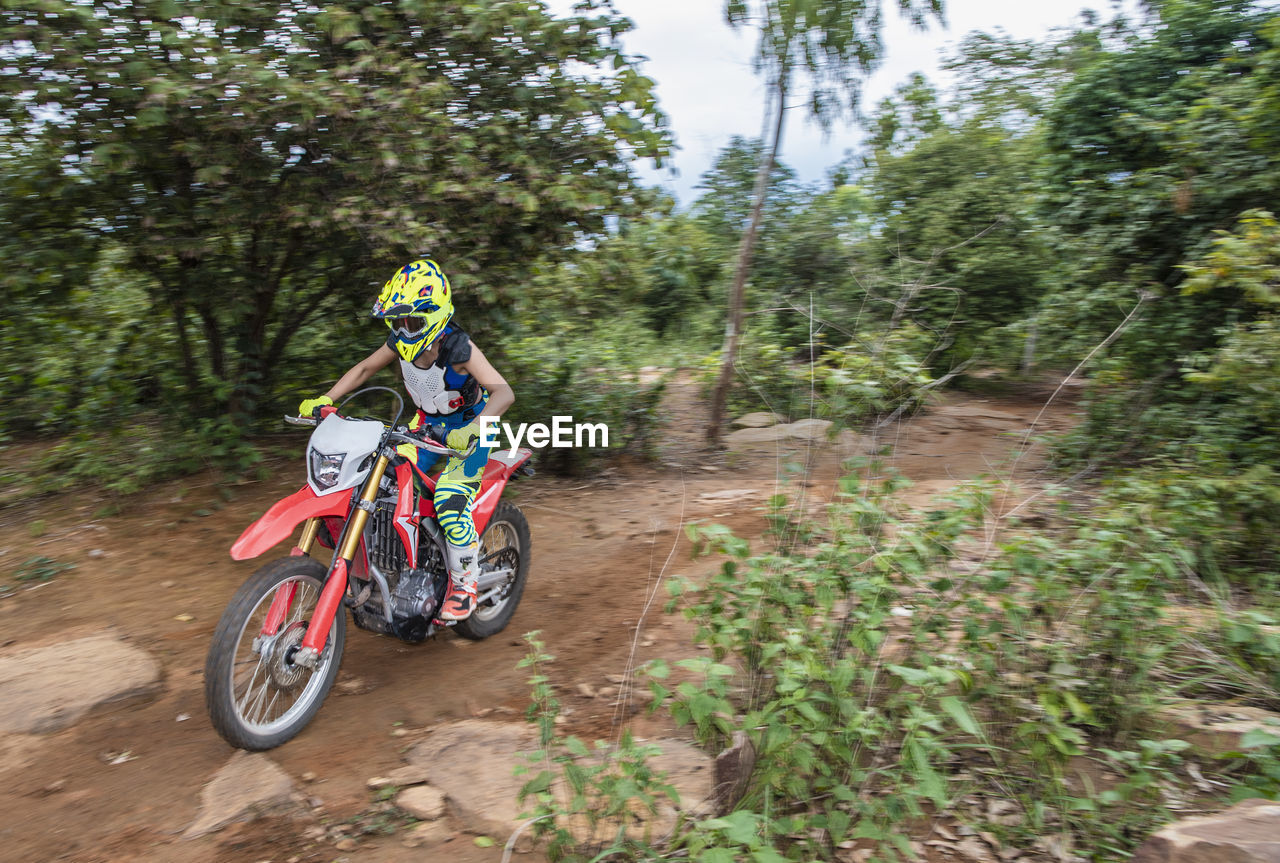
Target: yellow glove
(461,438)
(408,450)
(309,406)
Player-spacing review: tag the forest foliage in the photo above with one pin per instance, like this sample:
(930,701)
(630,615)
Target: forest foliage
(199,201)
(198,207)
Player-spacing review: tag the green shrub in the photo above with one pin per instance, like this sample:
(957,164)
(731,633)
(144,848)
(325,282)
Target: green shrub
(592,380)
(573,786)
(849,384)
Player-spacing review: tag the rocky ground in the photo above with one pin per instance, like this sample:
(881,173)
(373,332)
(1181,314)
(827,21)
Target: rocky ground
(106,752)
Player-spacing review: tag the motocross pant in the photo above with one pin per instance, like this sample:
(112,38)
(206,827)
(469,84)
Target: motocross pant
(456,490)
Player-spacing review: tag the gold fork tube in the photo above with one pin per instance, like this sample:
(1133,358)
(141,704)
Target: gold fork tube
(360,517)
(310,528)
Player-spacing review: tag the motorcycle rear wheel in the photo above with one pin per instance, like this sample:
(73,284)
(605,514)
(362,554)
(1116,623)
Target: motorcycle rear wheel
(505,542)
(256,696)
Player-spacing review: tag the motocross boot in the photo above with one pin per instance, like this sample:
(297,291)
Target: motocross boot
(464,570)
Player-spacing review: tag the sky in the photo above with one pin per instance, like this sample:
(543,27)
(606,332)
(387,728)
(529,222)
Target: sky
(707,87)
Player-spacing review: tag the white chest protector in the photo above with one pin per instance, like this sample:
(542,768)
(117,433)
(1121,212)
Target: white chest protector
(427,389)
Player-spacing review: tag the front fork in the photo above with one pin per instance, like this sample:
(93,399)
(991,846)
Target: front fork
(335,584)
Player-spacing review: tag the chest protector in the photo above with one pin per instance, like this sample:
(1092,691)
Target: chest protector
(429,390)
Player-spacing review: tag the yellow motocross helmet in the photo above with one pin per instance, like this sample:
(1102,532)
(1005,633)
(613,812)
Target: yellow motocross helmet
(417,304)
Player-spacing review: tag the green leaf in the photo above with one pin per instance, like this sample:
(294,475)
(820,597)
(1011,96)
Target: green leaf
(912,676)
(959,712)
(741,826)
(1257,738)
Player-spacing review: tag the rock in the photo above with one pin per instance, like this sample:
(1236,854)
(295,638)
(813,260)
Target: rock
(1004,812)
(347,844)
(729,494)
(970,848)
(973,412)
(427,833)
(759,419)
(408,775)
(354,686)
(422,802)
(743,438)
(1057,846)
(808,430)
(1248,832)
(688,769)
(45,689)
(812,429)
(850,443)
(248,785)
(19,751)
(1217,729)
(53,787)
(484,795)
(732,772)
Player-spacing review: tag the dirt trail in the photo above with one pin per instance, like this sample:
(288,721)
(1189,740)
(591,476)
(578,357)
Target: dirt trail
(158,575)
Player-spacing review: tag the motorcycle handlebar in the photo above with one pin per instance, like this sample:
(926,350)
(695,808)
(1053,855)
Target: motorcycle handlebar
(399,437)
(431,446)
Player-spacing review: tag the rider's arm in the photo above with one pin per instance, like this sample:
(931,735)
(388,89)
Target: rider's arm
(361,372)
(501,396)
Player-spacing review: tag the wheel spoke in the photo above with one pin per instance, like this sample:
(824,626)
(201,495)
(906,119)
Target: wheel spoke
(498,545)
(251,708)
(264,697)
(248,687)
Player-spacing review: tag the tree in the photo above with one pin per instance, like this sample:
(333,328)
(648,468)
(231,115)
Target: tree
(724,205)
(957,249)
(263,164)
(830,45)
(1162,138)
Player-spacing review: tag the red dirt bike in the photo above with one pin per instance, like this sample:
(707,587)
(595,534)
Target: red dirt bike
(277,647)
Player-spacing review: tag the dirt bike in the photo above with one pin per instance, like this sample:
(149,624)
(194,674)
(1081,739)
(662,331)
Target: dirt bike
(276,650)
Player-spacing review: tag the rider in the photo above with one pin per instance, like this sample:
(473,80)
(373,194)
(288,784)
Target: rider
(453,385)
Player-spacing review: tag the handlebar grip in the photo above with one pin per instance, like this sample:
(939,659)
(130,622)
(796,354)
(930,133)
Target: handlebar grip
(430,445)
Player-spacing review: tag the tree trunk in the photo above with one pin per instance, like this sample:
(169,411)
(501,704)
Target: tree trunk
(1029,347)
(733,325)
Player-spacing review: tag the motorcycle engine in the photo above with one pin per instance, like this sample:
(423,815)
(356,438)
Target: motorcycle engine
(413,591)
(414,594)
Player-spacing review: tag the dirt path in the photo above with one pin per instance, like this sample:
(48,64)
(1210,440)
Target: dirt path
(158,576)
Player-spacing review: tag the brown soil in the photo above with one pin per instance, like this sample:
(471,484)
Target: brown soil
(158,574)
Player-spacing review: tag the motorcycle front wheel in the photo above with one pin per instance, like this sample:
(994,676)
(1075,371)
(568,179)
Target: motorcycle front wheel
(257,697)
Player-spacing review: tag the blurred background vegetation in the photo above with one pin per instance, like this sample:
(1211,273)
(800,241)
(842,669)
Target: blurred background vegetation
(199,202)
